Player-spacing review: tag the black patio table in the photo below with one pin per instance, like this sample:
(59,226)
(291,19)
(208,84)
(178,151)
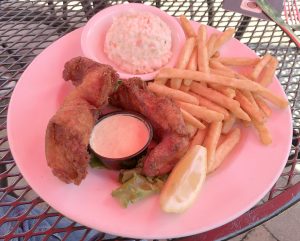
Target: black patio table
(28,27)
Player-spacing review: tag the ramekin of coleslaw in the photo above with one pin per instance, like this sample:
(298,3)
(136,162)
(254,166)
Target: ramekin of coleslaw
(135,39)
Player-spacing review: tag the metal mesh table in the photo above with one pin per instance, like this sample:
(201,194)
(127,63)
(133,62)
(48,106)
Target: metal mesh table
(28,27)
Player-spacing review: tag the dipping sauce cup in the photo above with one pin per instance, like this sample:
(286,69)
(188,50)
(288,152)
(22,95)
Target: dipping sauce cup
(120,138)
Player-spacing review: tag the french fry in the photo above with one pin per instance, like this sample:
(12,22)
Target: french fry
(199,137)
(203,65)
(211,42)
(266,93)
(222,138)
(186,53)
(263,106)
(215,64)
(229,92)
(192,65)
(228,124)
(250,97)
(211,105)
(268,73)
(220,69)
(211,141)
(209,78)
(258,103)
(233,82)
(191,119)
(162,81)
(187,27)
(221,100)
(273,98)
(184,88)
(183,60)
(222,39)
(253,101)
(163,90)
(201,112)
(222,72)
(191,130)
(223,150)
(251,110)
(260,65)
(264,134)
(238,61)
(246,74)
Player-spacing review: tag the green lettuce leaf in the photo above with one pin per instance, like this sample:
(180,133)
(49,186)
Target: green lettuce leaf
(134,186)
(126,175)
(137,188)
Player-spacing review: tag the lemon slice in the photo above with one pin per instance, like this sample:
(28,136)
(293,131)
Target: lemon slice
(185,181)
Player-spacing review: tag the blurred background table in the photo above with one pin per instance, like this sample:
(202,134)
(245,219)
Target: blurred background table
(28,27)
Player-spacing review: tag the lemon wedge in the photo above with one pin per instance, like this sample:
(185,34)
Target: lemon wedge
(185,181)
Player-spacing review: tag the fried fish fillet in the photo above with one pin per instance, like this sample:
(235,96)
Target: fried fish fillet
(166,119)
(76,69)
(68,131)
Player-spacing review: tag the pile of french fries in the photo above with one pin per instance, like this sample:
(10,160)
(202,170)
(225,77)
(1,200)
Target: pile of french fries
(215,92)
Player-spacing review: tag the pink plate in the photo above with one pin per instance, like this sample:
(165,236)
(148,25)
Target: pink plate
(242,181)
(93,35)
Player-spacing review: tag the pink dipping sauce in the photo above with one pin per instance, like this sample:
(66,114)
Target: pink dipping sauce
(119,136)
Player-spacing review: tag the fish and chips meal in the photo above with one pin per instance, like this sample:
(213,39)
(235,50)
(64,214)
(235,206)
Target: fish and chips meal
(197,109)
